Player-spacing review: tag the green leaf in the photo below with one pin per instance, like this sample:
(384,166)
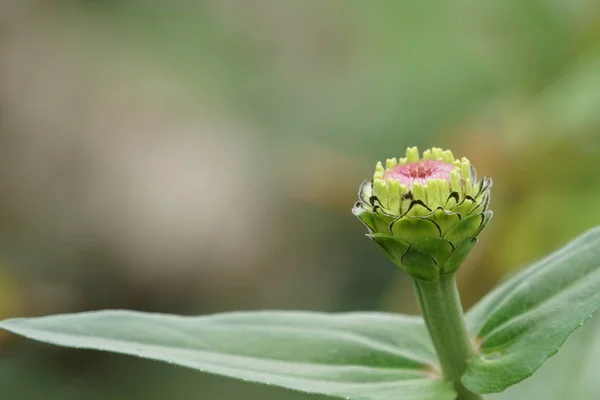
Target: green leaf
(527,319)
(571,374)
(363,356)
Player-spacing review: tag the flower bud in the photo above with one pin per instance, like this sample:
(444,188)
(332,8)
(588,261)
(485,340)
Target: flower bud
(425,211)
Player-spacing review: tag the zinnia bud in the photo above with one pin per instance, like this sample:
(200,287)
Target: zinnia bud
(425,212)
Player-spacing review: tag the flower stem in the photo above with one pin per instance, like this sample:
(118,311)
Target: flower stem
(443,314)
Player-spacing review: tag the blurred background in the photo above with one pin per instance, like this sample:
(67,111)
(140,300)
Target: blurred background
(203,156)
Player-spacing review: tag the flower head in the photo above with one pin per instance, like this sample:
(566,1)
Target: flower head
(426,212)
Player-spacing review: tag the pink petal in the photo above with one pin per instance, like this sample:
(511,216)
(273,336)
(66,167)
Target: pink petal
(420,172)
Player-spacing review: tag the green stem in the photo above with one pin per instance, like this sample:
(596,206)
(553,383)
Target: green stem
(443,314)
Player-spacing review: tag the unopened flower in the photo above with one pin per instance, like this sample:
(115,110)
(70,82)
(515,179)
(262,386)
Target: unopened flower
(425,212)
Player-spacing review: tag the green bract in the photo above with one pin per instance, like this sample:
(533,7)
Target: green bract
(425,212)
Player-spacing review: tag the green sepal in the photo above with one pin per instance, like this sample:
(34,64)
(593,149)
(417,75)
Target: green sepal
(445,220)
(465,229)
(466,206)
(438,249)
(365,192)
(420,265)
(394,248)
(417,209)
(413,229)
(370,219)
(457,257)
(487,215)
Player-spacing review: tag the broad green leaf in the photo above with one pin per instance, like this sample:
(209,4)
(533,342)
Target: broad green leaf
(362,356)
(527,319)
(571,374)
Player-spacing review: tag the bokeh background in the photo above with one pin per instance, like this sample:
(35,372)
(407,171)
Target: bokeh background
(202,156)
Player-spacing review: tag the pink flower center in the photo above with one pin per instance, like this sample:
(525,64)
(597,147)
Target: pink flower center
(420,172)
